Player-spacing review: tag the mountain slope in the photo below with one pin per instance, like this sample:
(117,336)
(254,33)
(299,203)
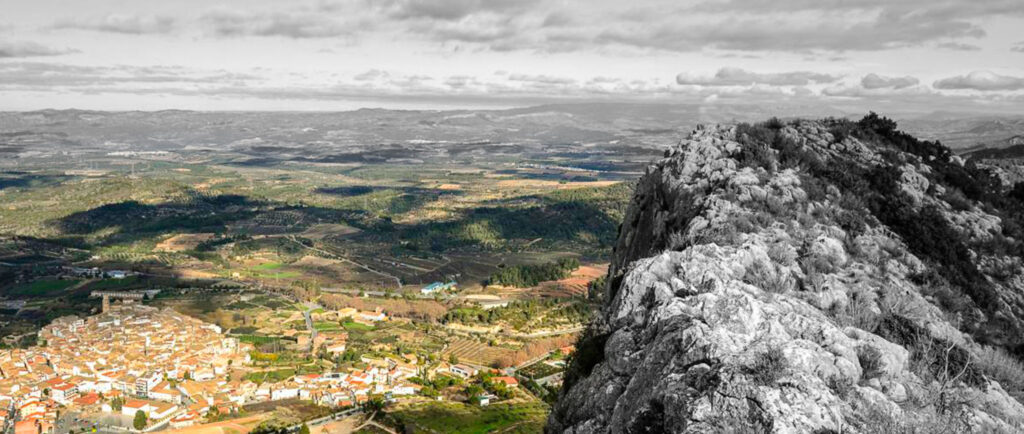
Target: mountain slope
(823,276)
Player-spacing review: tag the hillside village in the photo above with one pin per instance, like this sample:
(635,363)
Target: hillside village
(179,371)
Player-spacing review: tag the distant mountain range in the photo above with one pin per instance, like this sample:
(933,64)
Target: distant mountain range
(1009,148)
(966,134)
(650,126)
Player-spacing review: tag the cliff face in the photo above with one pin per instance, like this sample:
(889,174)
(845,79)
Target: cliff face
(812,277)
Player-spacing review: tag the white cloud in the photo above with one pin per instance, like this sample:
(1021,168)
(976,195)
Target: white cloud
(875,81)
(451,10)
(29,49)
(297,23)
(741,77)
(119,23)
(958,46)
(981,80)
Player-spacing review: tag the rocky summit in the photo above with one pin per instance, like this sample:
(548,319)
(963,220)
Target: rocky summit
(808,276)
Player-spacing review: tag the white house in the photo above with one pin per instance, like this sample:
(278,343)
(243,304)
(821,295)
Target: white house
(284,393)
(463,370)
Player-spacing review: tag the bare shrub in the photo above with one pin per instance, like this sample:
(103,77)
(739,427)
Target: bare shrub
(840,385)
(768,367)
(768,278)
(1001,366)
(815,280)
(782,253)
(813,265)
(942,364)
(677,241)
(879,421)
(860,312)
(870,362)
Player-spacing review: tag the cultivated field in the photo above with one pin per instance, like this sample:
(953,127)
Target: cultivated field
(476,353)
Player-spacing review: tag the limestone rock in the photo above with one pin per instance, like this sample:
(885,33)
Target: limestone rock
(736,303)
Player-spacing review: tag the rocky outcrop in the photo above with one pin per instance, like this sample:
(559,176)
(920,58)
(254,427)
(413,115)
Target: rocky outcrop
(749,298)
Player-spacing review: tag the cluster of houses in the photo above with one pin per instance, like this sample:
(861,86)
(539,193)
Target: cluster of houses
(177,369)
(384,377)
(133,353)
(95,273)
(174,368)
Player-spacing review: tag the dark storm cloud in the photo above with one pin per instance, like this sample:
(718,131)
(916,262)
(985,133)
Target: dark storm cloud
(981,80)
(13,49)
(741,77)
(127,24)
(875,81)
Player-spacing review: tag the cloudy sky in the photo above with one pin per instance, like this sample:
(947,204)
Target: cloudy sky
(891,55)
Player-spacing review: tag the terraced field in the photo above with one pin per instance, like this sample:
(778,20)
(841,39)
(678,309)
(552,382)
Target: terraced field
(476,353)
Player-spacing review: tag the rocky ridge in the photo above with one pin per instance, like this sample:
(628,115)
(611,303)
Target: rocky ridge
(774,278)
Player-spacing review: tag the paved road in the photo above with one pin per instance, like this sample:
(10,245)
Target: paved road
(310,306)
(550,378)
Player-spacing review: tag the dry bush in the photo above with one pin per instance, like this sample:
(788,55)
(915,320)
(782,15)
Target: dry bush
(840,385)
(1002,367)
(782,254)
(870,362)
(814,280)
(880,421)
(817,264)
(860,312)
(768,367)
(768,278)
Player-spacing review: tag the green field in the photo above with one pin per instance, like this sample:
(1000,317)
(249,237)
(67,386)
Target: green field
(357,327)
(42,287)
(326,326)
(268,266)
(257,339)
(452,417)
(270,376)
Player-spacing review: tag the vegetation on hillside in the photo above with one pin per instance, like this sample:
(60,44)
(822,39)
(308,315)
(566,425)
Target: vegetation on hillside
(525,276)
(873,196)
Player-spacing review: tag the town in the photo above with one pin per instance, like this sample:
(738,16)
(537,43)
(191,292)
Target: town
(142,368)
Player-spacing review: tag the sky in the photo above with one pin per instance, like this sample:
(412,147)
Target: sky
(909,56)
